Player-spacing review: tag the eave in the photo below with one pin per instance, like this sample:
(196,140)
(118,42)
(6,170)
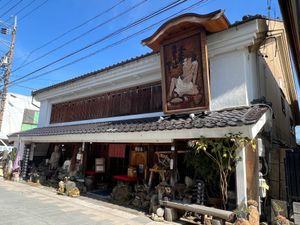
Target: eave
(212,22)
(290,10)
(247,121)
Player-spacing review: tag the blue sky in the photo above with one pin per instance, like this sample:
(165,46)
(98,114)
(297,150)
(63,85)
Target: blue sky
(58,16)
(55,17)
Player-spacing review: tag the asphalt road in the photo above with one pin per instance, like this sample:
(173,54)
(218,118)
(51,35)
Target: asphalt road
(22,204)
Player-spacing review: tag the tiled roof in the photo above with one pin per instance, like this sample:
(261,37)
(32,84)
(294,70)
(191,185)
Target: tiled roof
(225,118)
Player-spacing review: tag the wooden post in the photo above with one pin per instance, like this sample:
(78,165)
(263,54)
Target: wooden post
(7,73)
(241,177)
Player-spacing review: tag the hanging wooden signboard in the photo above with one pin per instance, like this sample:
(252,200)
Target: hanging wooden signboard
(184,73)
(184,61)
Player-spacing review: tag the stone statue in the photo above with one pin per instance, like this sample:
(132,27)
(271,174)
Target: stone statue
(54,159)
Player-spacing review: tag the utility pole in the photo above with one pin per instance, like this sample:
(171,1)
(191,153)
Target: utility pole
(6,63)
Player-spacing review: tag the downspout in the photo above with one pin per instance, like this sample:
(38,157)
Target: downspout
(33,103)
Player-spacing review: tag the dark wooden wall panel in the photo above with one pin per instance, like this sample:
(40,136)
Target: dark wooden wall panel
(136,100)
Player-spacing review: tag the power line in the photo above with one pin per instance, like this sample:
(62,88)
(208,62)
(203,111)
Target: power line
(171,5)
(76,27)
(23,8)
(82,35)
(33,10)
(15,5)
(25,87)
(6,4)
(143,19)
(64,34)
(108,46)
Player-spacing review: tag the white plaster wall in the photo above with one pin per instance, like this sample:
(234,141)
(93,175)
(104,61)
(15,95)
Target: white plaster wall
(233,76)
(229,73)
(14,110)
(44,116)
(232,82)
(252,77)
(228,80)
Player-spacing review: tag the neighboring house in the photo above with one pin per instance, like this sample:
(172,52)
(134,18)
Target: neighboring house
(233,79)
(20,114)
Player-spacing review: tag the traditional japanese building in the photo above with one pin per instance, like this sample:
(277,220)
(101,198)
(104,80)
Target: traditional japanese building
(205,78)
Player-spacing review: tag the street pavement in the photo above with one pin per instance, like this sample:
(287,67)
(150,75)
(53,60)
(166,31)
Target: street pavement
(22,204)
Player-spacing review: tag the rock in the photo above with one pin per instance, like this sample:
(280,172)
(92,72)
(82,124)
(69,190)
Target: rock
(145,204)
(253,213)
(170,214)
(281,220)
(160,212)
(154,204)
(242,221)
(69,185)
(74,192)
(121,194)
(217,222)
(228,223)
(154,208)
(61,187)
(188,182)
(136,203)
(157,218)
(207,220)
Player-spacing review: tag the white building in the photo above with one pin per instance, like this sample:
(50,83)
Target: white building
(246,86)
(20,114)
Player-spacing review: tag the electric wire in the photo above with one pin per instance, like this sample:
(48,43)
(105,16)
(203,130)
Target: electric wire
(25,87)
(11,8)
(22,9)
(33,10)
(21,79)
(69,31)
(165,8)
(77,37)
(6,4)
(143,19)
